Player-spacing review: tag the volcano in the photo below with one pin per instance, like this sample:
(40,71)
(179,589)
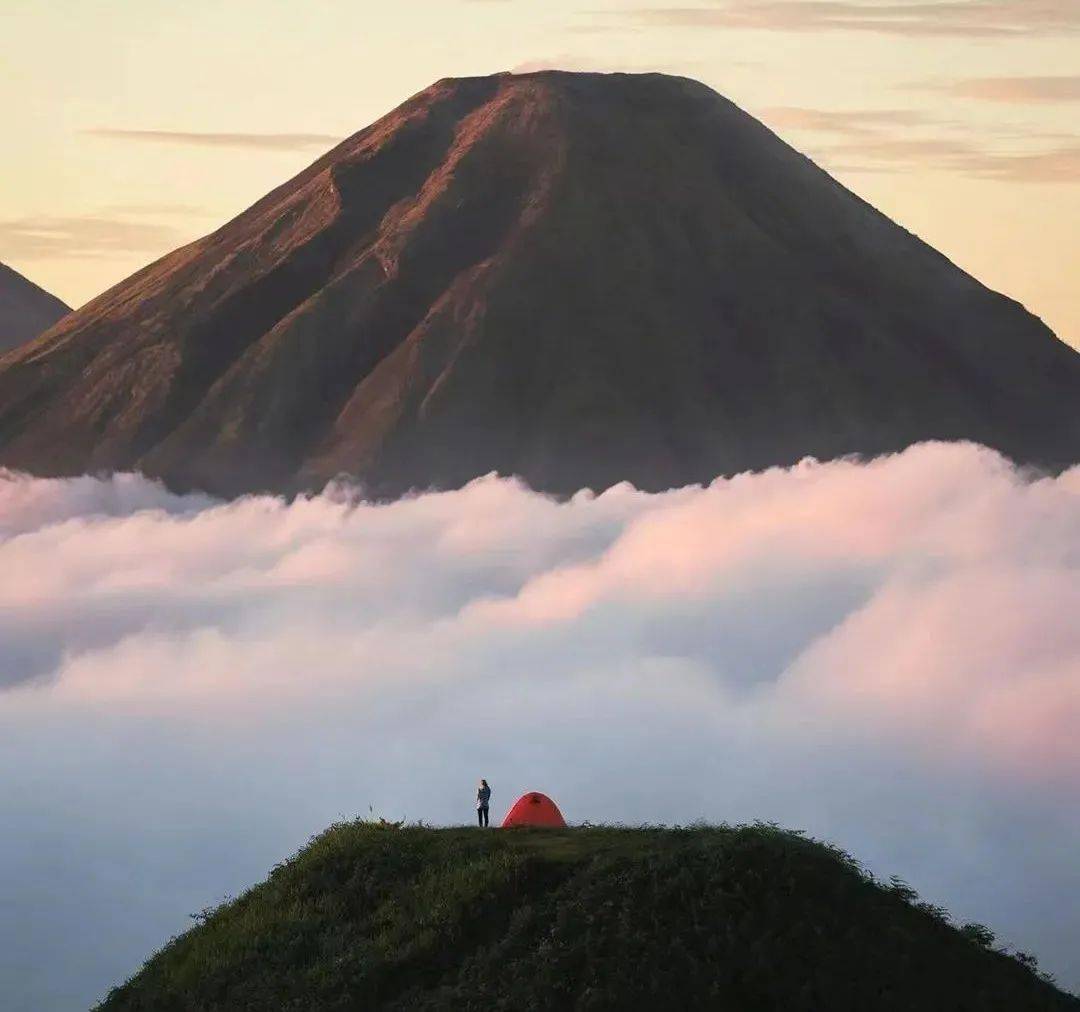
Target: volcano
(575,278)
(25,309)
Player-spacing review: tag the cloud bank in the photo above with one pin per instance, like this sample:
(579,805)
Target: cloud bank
(884,654)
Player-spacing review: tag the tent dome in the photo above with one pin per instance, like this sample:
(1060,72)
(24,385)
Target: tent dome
(534,809)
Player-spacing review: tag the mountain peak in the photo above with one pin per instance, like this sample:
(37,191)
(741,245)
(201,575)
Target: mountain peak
(577,278)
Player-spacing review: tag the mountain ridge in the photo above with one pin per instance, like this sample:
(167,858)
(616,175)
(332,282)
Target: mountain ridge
(575,278)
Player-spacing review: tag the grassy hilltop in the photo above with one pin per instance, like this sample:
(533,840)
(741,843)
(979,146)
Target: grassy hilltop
(752,919)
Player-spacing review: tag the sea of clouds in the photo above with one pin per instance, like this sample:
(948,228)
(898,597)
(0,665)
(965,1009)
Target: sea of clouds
(885,654)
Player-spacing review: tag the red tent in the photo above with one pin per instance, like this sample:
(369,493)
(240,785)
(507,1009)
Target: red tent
(534,809)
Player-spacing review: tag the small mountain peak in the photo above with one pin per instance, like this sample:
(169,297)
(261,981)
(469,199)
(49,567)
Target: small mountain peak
(381,915)
(26,309)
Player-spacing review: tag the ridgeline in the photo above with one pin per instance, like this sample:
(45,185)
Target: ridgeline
(740,918)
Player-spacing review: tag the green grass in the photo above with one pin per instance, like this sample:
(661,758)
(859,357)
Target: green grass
(747,918)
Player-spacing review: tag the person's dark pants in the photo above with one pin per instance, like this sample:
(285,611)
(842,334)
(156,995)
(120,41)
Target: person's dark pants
(482,815)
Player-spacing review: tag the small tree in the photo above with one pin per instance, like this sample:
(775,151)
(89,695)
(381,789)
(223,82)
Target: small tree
(980,934)
(898,887)
(1027,959)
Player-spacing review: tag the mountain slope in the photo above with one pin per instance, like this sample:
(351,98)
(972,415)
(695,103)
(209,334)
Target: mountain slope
(743,918)
(578,278)
(25,309)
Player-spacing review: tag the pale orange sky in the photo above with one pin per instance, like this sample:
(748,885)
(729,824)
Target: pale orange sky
(132,126)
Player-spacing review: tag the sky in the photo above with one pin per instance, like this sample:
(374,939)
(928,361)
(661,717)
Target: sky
(133,126)
(884,654)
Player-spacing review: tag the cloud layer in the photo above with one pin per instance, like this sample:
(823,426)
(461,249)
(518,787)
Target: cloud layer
(882,653)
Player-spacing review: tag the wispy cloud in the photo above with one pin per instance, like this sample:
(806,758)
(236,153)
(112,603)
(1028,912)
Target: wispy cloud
(876,140)
(1060,165)
(1057,165)
(210,139)
(970,18)
(1015,90)
(853,122)
(560,61)
(155,208)
(86,236)
(607,65)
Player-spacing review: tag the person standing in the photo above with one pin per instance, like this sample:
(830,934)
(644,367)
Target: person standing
(483,797)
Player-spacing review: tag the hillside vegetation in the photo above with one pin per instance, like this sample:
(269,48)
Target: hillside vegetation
(744,918)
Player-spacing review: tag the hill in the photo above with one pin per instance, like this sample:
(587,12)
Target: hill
(576,278)
(25,309)
(744,918)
